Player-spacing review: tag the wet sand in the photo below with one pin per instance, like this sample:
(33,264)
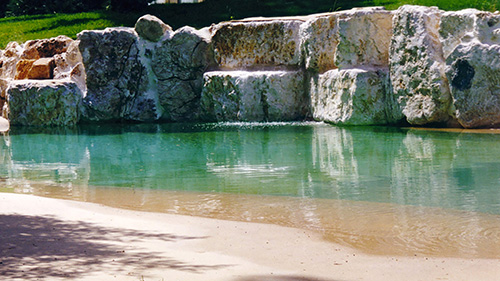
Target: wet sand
(54,239)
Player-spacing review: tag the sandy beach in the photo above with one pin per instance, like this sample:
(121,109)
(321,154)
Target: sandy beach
(54,239)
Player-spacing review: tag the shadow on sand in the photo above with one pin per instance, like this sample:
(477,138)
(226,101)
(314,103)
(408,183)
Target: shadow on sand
(36,247)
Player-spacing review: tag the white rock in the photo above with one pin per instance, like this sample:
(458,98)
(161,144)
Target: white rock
(351,97)
(364,37)
(257,44)
(253,96)
(417,66)
(467,26)
(4,124)
(43,103)
(319,40)
(474,74)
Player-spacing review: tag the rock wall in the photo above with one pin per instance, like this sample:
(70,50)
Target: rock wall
(367,66)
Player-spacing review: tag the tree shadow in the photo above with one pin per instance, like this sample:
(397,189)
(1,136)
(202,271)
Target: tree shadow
(36,247)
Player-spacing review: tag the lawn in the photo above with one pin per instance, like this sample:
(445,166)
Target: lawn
(200,15)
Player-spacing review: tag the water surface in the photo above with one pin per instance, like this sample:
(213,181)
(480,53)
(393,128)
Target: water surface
(382,190)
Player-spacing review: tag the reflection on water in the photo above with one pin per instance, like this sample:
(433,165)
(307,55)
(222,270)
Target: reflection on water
(383,190)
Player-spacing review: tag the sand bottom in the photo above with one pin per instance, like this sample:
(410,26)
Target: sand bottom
(373,228)
(53,239)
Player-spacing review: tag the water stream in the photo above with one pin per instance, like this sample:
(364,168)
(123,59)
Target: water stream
(379,189)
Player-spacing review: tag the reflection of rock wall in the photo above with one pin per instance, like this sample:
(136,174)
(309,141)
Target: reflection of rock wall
(359,67)
(407,167)
(59,158)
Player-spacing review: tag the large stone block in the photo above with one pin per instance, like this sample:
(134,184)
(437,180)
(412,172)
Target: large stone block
(471,44)
(257,43)
(466,26)
(417,66)
(364,37)
(254,96)
(151,28)
(117,79)
(42,69)
(474,74)
(319,40)
(46,48)
(178,64)
(43,103)
(352,97)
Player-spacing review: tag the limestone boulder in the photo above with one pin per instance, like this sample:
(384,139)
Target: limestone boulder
(10,57)
(474,74)
(46,48)
(4,124)
(364,37)
(254,96)
(70,65)
(43,103)
(257,43)
(417,66)
(319,40)
(468,25)
(42,69)
(116,77)
(352,97)
(178,64)
(151,28)
(23,68)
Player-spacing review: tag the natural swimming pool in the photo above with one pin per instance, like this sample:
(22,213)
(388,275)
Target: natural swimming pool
(380,189)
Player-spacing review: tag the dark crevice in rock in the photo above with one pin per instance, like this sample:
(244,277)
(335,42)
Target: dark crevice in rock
(463,74)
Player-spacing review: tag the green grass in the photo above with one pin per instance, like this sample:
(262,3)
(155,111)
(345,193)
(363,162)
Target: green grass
(448,5)
(21,29)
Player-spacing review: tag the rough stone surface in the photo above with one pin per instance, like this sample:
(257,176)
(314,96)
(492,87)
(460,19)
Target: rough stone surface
(9,60)
(351,97)
(46,48)
(117,81)
(474,73)
(4,124)
(254,96)
(466,26)
(42,69)
(417,66)
(151,28)
(319,40)
(179,64)
(43,103)
(23,68)
(257,44)
(364,37)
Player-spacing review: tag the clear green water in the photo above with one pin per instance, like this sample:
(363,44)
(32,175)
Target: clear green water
(305,160)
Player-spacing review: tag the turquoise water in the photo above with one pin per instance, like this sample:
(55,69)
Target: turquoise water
(304,160)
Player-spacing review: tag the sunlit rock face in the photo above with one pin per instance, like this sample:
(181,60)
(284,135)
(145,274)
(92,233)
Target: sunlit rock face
(253,96)
(257,43)
(44,60)
(350,52)
(363,66)
(417,66)
(43,103)
(471,43)
(364,37)
(319,40)
(351,97)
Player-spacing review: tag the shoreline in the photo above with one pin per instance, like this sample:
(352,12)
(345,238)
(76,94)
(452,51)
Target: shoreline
(55,239)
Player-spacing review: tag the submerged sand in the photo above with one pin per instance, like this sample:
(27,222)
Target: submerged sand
(54,239)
